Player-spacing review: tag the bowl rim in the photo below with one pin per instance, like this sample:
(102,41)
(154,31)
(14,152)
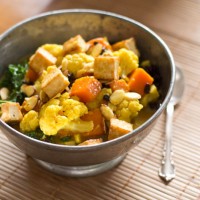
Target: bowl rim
(121,138)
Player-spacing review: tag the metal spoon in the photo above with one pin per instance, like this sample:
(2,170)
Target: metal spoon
(167,170)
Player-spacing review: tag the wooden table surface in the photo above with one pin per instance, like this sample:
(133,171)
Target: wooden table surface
(178,23)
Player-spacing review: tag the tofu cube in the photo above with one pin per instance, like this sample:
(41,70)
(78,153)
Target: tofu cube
(41,60)
(127,44)
(11,112)
(118,128)
(106,68)
(54,82)
(75,45)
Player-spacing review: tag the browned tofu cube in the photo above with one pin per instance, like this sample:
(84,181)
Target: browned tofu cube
(106,68)
(54,82)
(41,60)
(75,45)
(11,112)
(118,128)
(127,44)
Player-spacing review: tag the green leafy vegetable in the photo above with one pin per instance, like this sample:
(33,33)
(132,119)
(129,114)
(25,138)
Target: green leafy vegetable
(3,101)
(37,134)
(13,79)
(66,139)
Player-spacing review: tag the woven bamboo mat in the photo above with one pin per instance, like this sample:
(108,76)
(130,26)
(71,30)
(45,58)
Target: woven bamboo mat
(135,178)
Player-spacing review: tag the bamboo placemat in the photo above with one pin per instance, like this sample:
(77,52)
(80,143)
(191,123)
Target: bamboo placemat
(135,178)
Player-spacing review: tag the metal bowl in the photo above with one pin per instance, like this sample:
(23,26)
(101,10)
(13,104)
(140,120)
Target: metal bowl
(55,27)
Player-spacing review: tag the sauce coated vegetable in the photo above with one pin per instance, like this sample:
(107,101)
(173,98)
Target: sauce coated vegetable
(79,92)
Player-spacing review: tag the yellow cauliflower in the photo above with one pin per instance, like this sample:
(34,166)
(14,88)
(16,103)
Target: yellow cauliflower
(79,126)
(127,109)
(49,103)
(128,61)
(63,97)
(56,50)
(30,121)
(51,121)
(63,114)
(73,109)
(75,62)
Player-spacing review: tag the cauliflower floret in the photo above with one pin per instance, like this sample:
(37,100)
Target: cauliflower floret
(79,126)
(152,96)
(50,102)
(73,109)
(125,105)
(75,62)
(30,121)
(128,61)
(51,121)
(127,110)
(63,97)
(63,114)
(56,50)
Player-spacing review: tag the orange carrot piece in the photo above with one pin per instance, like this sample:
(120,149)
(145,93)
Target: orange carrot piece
(100,40)
(138,80)
(98,120)
(119,84)
(86,88)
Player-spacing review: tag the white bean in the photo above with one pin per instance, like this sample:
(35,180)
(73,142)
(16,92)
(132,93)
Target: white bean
(4,93)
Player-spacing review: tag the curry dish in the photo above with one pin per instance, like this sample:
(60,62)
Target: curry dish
(80,92)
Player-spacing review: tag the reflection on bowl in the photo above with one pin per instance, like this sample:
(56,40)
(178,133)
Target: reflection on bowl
(54,27)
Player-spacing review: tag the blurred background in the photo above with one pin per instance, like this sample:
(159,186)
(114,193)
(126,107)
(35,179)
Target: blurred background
(162,16)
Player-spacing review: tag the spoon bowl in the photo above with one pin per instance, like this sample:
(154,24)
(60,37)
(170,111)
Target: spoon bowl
(178,87)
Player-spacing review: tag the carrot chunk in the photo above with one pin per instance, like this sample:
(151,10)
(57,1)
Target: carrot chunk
(138,80)
(98,121)
(86,88)
(119,84)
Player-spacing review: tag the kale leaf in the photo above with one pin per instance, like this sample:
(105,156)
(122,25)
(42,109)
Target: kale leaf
(13,79)
(37,134)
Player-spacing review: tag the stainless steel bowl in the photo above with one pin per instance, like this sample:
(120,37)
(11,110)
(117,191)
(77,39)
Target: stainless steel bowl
(55,27)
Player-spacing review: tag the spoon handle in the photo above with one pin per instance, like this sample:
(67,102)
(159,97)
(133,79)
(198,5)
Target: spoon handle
(167,170)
